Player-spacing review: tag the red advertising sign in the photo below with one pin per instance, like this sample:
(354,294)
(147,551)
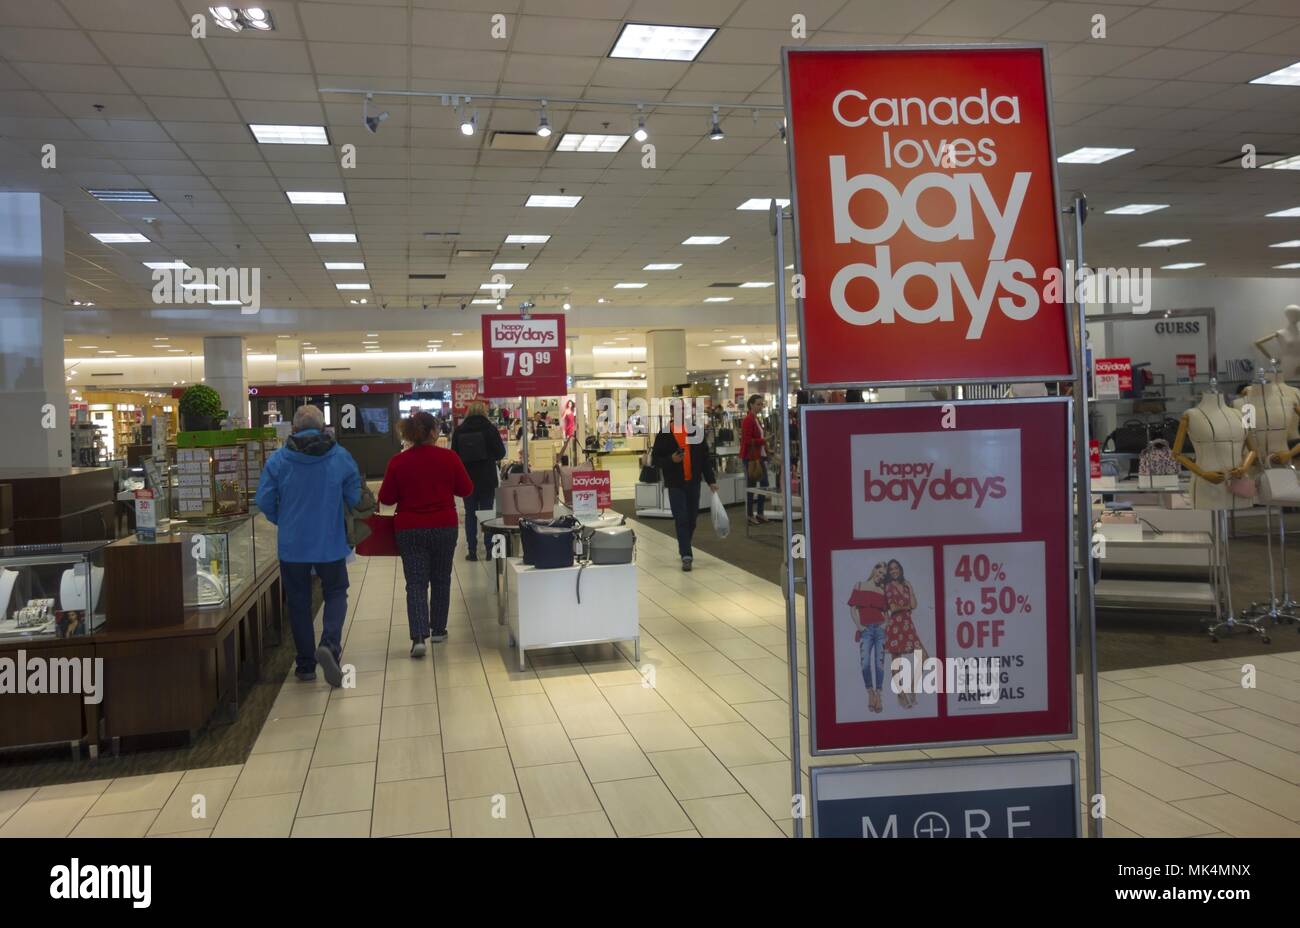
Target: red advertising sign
(591,490)
(1188,363)
(1094,458)
(925,215)
(1112,376)
(463,392)
(524,357)
(939,593)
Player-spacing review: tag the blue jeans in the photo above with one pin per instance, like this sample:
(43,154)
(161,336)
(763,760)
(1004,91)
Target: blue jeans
(685,504)
(297,591)
(754,504)
(481,498)
(871,648)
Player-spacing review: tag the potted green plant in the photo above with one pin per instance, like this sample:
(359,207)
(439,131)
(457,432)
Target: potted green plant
(200,408)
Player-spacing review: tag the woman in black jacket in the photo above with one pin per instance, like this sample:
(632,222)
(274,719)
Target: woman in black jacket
(683,464)
(480,447)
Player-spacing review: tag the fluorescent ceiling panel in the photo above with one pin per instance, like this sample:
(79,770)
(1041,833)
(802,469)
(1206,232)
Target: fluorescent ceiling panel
(345,266)
(1092,155)
(333,237)
(706,239)
(661,43)
(118,238)
(1136,209)
(553,201)
(661,267)
(591,142)
(763,204)
(316,198)
(1164,242)
(290,135)
(527,239)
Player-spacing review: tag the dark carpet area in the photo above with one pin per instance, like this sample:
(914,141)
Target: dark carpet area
(219,744)
(1124,639)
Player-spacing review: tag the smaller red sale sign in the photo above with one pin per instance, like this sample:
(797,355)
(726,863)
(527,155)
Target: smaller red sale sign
(591,490)
(1188,363)
(463,392)
(1113,376)
(1094,458)
(524,356)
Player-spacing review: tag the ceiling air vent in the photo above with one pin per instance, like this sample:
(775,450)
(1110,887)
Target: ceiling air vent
(323,369)
(114,374)
(518,141)
(426,276)
(475,252)
(438,235)
(725,284)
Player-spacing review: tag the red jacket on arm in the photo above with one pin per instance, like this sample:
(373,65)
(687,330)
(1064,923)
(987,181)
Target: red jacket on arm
(752,442)
(424,482)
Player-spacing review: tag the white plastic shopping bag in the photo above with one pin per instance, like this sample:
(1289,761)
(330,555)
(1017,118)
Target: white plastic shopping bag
(721,524)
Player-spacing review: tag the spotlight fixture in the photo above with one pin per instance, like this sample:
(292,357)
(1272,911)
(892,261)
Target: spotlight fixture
(567,307)
(468,123)
(543,126)
(371,122)
(237,20)
(715,131)
(640,134)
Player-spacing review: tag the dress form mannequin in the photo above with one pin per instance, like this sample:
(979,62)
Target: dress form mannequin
(1219,436)
(1284,349)
(1276,420)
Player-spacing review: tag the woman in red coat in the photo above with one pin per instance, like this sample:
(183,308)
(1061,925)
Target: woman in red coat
(753,451)
(423,482)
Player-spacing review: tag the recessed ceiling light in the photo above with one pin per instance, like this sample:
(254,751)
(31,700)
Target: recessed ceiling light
(551,200)
(88,347)
(345,266)
(661,267)
(661,43)
(760,203)
(122,196)
(756,283)
(527,239)
(224,303)
(372,335)
(316,197)
(1182,266)
(1164,242)
(591,142)
(510,266)
(1092,155)
(1284,164)
(327,237)
(1286,213)
(290,135)
(1288,267)
(568,306)
(457,333)
(483,302)
(1290,243)
(718,299)
(1288,76)
(176,350)
(352,286)
(116,238)
(706,240)
(498,286)
(1136,209)
(176,265)
(628,286)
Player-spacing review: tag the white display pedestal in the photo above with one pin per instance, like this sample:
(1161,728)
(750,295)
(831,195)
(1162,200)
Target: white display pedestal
(552,617)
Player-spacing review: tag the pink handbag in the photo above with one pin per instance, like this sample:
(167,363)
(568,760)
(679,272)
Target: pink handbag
(1242,486)
(525,501)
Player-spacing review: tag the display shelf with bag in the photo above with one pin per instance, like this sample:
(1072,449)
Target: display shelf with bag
(51,591)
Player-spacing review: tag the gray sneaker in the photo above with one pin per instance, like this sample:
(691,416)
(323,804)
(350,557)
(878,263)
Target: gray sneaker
(686,563)
(417,649)
(329,665)
(438,637)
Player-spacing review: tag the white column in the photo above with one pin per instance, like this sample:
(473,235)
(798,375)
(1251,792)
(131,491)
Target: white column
(665,360)
(288,360)
(33,398)
(225,369)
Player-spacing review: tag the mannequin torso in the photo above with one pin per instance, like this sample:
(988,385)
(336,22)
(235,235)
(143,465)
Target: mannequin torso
(1219,437)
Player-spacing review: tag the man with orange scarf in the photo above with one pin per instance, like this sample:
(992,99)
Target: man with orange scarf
(683,463)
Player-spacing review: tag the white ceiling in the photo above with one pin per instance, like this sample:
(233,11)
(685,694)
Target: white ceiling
(1170,80)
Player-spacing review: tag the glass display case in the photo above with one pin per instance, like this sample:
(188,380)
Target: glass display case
(219,561)
(51,591)
(266,539)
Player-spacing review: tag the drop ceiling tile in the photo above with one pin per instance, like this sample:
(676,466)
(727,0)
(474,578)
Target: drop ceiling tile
(683,12)
(458,30)
(1242,67)
(291,87)
(548,70)
(1067,22)
(1166,63)
(1157,27)
(1095,58)
(184,109)
(980,17)
(72,78)
(1282,43)
(273,55)
(64,46)
(26,13)
(158,16)
(335,22)
(457,69)
(1229,33)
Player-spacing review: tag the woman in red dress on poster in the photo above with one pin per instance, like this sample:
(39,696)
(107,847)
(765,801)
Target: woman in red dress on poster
(901,639)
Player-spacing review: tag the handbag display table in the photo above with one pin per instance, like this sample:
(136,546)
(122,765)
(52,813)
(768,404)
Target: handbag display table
(511,533)
(549,609)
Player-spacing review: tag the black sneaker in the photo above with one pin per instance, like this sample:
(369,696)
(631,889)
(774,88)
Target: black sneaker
(329,665)
(472,555)
(686,564)
(438,637)
(305,676)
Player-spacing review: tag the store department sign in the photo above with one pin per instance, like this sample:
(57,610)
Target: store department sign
(939,592)
(1018,796)
(925,215)
(524,356)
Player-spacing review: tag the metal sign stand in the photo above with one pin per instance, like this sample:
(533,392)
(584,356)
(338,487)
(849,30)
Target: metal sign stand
(1084,574)
(1085,570)
(777,217)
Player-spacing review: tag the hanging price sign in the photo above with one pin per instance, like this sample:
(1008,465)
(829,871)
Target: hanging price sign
(524,356)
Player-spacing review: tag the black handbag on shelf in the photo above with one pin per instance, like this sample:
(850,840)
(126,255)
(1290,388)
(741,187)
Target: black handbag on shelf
(1129,438)
(649,474)
(548,543)
(1167,430)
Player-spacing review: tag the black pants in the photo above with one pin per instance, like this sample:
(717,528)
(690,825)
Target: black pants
(685,504)
(426,561)
(483,497)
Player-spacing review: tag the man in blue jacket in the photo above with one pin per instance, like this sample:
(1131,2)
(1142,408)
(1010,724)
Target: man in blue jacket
(304,489)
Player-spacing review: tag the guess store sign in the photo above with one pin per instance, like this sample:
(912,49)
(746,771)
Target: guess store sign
(925,216)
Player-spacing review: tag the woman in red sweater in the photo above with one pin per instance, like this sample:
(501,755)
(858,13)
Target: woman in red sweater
(753,451)
(423,482)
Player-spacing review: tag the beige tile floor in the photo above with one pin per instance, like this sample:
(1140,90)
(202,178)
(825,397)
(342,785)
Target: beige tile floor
(462,744)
